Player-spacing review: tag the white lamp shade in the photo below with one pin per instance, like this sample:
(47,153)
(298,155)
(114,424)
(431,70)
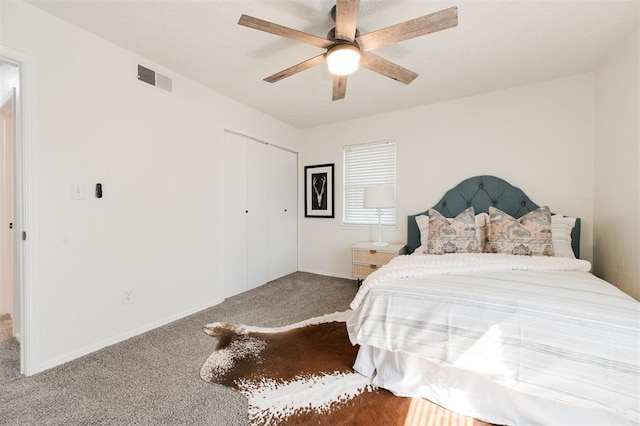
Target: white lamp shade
(343,59)
(379,197)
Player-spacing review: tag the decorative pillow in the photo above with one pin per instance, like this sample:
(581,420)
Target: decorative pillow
(561,227)
(459,236)
(529,236)
(482,219)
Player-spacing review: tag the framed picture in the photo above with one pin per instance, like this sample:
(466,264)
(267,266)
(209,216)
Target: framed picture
(318,191)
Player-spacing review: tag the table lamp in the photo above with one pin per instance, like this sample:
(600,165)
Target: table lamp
(379,197)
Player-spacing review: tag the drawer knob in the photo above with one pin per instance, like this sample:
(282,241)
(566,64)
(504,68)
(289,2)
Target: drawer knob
(373,266)
(373,251)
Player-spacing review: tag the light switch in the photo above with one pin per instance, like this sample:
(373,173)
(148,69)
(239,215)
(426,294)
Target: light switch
(77,191)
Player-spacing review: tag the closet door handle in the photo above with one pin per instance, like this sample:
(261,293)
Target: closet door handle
(246,211)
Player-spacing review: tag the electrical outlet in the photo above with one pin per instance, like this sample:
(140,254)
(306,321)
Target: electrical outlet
(127,296)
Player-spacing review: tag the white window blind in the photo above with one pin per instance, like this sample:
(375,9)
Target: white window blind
(367,165)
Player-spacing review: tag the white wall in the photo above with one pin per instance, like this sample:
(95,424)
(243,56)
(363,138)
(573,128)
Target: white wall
(158,155)
(617,168)
(538,137)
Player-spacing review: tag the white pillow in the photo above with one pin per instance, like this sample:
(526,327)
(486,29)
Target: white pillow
(561,228)
(423,225)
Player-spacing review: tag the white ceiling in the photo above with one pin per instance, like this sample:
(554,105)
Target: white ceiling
(497,44)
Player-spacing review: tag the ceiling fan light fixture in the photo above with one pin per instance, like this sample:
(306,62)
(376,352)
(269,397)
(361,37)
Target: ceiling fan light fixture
(344,46)
(343,59)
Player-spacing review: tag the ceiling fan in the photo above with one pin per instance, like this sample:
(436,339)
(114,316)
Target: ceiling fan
(346,49)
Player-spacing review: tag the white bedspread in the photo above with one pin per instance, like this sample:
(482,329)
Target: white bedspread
(541,326)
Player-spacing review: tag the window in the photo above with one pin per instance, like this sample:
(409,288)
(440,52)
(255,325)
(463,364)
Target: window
(366,165)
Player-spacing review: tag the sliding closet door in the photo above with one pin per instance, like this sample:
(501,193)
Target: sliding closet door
(258,171)
(235,215)
(260,213)
(283,213)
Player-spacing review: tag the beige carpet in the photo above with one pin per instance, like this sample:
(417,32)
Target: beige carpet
(6,327)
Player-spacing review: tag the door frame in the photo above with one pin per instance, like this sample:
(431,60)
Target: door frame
(7,233)
(26,207)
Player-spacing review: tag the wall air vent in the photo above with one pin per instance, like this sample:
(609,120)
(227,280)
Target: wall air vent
(146,75)
(155,79)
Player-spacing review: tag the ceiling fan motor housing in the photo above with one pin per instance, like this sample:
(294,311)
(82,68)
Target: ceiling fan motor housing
(331,35)
(332,12)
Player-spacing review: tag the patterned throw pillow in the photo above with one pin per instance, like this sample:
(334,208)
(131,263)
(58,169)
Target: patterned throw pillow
(482,219)
(529,236)
(459,236)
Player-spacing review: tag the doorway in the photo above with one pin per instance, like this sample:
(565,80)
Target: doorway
(9,284)
(17,81)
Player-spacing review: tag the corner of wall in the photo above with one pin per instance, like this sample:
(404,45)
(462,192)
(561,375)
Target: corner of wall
(616,167)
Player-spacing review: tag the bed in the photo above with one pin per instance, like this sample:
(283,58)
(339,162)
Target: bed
(504,338)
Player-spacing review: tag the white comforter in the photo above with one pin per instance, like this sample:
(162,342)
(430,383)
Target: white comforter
(541,326)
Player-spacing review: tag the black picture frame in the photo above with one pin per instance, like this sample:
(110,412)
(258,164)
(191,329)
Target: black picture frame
(319,191)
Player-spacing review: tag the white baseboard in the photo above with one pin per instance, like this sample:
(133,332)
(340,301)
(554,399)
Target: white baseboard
(328,274)
(121,337)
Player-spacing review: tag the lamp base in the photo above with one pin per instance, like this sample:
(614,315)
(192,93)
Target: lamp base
(379,244)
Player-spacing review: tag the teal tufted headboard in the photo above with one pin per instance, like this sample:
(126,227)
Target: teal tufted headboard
(482,192)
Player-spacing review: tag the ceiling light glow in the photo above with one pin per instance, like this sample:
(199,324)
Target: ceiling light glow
(343,59)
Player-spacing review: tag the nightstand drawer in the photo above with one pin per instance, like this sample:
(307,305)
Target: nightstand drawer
(362,271)
(368,258)
(372,257)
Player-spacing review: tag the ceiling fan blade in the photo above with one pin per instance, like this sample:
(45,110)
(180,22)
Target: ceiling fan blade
(346,19)
(317,60)
(417,27)
(339,87)
(386,68)
(270,27)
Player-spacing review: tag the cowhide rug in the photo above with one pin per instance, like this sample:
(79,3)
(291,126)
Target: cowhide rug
(301,374)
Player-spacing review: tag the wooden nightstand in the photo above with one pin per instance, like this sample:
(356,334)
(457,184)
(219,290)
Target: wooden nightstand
(367,258)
